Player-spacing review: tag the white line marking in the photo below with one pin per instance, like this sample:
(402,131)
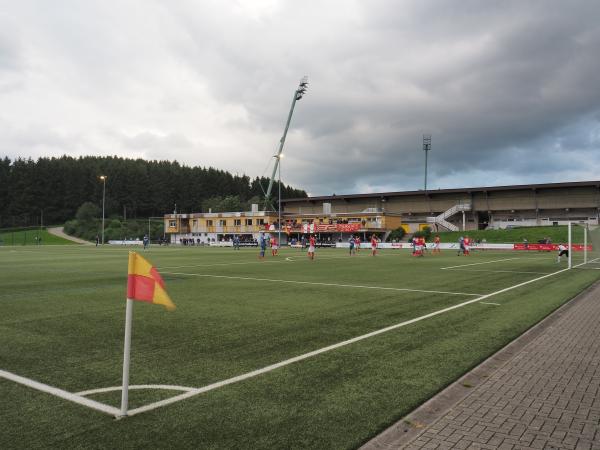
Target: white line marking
(263,261)
(135,386)
(490,303)
(316,283)
(266,369)
(478,263)
(498,271)
(60,393)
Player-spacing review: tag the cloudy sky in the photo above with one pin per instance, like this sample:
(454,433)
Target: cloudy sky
(509,90)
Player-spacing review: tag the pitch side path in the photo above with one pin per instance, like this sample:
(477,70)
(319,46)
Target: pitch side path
(541,391)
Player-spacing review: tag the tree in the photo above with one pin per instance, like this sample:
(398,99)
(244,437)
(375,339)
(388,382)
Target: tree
(88,212)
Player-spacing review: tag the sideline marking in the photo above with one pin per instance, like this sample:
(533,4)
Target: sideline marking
(286,362)
(316,283)
(490,303)
(60,393)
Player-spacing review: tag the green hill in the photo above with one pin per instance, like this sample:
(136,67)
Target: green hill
(30,236)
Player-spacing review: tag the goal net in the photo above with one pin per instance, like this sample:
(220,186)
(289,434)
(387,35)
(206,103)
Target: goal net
(586,246)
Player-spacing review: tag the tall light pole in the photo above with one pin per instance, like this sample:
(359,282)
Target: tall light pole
(279,183)
(103,178)
(426,148)
(298,94)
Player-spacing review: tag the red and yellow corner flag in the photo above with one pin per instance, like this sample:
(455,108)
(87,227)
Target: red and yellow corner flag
(145,284)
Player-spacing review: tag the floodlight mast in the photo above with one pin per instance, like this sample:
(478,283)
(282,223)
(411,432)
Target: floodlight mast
(426,148)
(298,94)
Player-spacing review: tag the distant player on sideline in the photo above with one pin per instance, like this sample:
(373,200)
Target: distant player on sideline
(351,241)
(311,247)
(357,243)
(302,243)
(274,246)
(146,241)
(374,241)
(436,241)
(262,243)
(562,250)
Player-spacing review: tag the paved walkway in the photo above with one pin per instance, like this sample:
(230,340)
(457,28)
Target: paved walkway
(59,231)
(540,392)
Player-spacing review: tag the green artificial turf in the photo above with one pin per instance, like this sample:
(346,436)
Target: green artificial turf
(63,317)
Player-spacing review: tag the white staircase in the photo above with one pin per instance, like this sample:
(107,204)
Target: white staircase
(441,219)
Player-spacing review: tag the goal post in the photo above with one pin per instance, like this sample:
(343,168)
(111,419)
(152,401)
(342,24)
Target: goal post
(585,245)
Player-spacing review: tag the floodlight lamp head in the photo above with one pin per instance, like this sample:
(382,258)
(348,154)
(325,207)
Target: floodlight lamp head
(302,87)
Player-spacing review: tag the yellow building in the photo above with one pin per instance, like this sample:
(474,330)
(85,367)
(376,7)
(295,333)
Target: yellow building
(209,228)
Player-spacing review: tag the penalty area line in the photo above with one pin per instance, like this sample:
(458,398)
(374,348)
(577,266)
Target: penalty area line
(478,263)
(316,283)
(295,359)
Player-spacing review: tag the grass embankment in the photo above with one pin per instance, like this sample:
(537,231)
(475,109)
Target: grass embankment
(30,236)
(532,234)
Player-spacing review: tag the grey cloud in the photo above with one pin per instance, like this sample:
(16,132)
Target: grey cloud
(507,89)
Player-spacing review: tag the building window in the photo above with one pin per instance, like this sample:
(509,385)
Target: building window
(172,223)
(222,223)
(260,221)
(237,222)
(209,223)
(248,221)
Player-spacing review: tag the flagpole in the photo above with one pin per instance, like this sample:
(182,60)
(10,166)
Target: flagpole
(126,357)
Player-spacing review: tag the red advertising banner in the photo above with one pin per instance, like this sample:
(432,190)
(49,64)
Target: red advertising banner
(548,247)
(340,227)
(348,227)
(320,227)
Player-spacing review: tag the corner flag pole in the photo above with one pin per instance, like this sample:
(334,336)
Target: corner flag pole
(126,357)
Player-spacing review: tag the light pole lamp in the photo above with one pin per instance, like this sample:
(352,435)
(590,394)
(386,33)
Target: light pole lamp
(298,94)
(279,156)
(103,178)
(426,149)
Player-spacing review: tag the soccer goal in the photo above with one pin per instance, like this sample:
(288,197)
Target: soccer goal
(584,240)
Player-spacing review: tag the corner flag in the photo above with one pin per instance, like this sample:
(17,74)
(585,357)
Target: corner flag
(145,284)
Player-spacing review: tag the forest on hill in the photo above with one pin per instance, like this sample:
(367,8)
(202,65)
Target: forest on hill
(52,189)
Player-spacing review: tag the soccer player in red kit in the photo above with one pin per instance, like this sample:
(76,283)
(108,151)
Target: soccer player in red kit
(357,243)
(436,241)
(311,247)
(467,242)
(274,246)
(374,245)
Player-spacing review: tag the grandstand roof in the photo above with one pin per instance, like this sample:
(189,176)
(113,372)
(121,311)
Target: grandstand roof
(467,190)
